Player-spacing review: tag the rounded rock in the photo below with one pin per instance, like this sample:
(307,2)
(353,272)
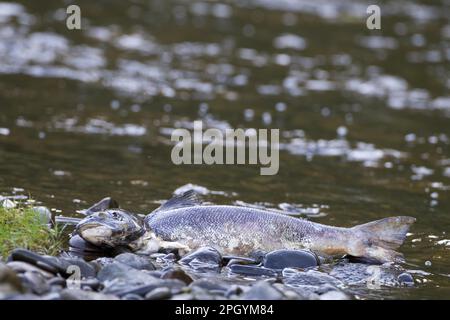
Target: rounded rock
(159,294)
(78,294)
(10,283)
(206,258)
(211,285)
(177,273)
(135,261)
(132,296)
(262,290)
(281,259)
(406,279)
(253,271)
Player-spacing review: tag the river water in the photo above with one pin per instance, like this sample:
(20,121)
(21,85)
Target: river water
(364,115)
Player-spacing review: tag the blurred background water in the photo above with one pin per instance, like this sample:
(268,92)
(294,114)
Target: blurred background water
(364,115)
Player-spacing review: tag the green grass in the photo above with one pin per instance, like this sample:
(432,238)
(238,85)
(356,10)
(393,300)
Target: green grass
(22,227)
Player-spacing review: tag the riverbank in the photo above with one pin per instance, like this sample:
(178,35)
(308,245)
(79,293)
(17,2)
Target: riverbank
(25,226)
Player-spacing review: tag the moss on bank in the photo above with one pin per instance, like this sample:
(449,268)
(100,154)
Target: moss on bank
(23,227)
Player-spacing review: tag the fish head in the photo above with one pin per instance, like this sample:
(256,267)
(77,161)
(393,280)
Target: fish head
(110,228)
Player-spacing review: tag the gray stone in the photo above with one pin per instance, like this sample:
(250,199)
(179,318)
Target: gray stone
(203,259)
(159,294)
(280,259)
(183,296)
(253,271)
(10,283)
(41,262)
(334,295)
(78,294)
(406,279)
(132,296)
(135,261)
(288,292)
(51,296)
(57,281)
(87,270)
(102,262)
(233,290)
(211,285)
(313,278)
(45,215)
(176,273)
(7,203)
(120,279)
(26,296)
(35,282)
(262,290)
(22,267)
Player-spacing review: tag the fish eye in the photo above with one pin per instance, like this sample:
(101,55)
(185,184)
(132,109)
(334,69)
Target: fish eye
(117,215)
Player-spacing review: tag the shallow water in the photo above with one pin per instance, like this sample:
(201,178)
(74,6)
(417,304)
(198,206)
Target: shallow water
(364,115)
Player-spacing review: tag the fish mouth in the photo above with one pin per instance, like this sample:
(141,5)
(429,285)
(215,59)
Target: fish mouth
(95,233)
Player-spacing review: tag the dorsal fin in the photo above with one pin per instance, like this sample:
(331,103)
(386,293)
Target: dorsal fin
(102,205)
(186,199)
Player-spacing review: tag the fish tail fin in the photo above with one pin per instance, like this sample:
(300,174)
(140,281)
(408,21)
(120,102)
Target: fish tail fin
(379,239)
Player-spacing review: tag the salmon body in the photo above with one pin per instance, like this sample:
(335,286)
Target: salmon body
(241,230)
(183,222)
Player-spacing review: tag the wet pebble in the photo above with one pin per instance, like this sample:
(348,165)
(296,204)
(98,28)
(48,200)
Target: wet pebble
(358,273)
(34,259)
(102,262)
(262,290)
(118,271)
(81,248)
(22,267)
(230,260)
(211,285)
(183,296)
(45,215)
(310,278)
(233,291)
(86,270)
(78,294)
(135,261)
(168,258)
(159,294)
(26,296)
(132,297)
(7,204)
(289,293)
(176,273)
(173,285)
(10,283)
(203,294)
(52,265)
(281,259)
(253,271)
(334,295)
(51,296)
(35,282)
(406,279)
(205,259)
(57,281)
(91,283)
(155,273)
